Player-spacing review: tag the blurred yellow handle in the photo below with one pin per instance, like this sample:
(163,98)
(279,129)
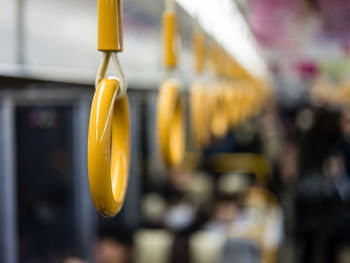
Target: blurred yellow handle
(198,43)
(219,123)
(108,162)
(169,39)
(170,123)
(200,111)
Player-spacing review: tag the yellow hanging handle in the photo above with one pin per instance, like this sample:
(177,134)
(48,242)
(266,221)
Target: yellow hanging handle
(219,119)
(109,125)
(198,50)
(170,39)
(219,122)
(170,123)
(170,107)
(199,110)
(108,148)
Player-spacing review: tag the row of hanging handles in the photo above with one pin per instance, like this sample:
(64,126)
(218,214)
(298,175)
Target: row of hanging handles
(170,106)
(214,107)
(220,103)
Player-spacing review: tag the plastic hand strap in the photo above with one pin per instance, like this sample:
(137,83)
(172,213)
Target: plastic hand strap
(106,56)
(169,39)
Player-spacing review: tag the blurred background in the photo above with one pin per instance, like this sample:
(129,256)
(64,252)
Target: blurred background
(271,184)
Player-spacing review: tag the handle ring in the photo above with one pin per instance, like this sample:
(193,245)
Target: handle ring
(109,147)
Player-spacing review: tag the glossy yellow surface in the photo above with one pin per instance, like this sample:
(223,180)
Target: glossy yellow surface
(199,111)
(169,39)
(110,31)
(108,148)
(198,50)
(170,123)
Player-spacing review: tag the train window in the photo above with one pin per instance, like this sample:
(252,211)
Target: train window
(44,183)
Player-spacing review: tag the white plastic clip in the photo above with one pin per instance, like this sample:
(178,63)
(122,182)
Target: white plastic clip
(101,72)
